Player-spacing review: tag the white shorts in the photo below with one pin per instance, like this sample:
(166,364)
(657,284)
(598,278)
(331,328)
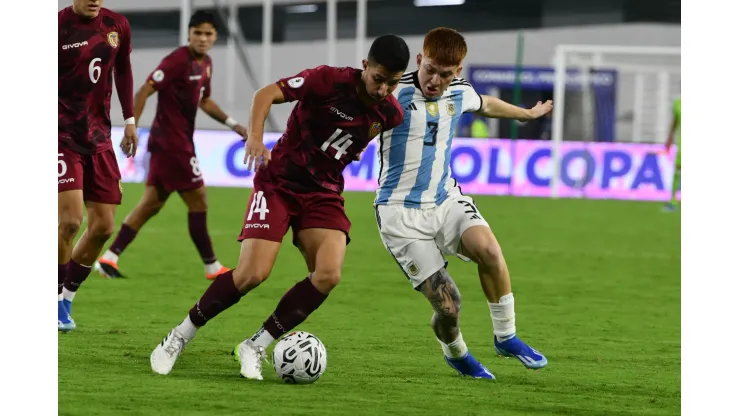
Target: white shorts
(420,238)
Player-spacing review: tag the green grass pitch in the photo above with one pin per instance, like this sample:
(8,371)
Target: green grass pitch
(597,286)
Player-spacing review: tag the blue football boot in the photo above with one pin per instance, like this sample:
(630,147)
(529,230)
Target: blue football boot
(468,366)
(514,347)
(65,323)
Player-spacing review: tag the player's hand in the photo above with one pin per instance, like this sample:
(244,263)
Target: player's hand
(242,131)
(540,109)
(256,154)
(130,140)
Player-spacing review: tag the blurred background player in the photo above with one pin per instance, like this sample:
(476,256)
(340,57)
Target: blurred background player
(183,83)
(299,185)
(421,212)
(95,48)
(675,132)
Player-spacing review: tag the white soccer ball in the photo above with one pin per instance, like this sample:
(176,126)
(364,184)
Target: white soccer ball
(299,358)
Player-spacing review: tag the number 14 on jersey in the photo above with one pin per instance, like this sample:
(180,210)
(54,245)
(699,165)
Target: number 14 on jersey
(341,144)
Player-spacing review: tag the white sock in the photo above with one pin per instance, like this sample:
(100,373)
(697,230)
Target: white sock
(262,338)
(502,315)
(110,256)
(68,294)
(213,267)
(61,296)
(187,329)
(455,349)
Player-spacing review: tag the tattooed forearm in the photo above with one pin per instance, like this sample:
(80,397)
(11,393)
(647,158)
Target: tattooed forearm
(445,299)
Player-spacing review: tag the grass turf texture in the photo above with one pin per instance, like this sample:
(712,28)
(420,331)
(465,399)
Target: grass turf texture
(597,285)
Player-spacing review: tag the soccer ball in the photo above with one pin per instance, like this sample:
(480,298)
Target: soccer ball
(299,358)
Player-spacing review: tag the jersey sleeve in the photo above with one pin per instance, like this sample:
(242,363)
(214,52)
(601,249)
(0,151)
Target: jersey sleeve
(207,84)
(167,71)
(471,100)
(307,84)
(124,76)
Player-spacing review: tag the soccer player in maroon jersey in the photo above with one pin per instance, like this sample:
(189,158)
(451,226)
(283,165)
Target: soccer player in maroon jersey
(94,50)
(183,82)
(298,185)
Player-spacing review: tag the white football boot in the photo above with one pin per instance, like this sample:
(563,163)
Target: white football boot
(163,357)
(250,357)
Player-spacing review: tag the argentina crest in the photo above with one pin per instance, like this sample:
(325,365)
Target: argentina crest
(113,39)
(451,108)
(375,129)
(432,109)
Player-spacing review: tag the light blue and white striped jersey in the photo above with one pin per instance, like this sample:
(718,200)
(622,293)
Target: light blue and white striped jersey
(415,156)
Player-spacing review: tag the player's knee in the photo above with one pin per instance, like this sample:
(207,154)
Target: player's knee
(200,205)
(246,280)
(102,230)
(68,227)
(491,255)
(154,209)
(326,280)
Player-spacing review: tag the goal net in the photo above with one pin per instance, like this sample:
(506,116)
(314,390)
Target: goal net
(605,93)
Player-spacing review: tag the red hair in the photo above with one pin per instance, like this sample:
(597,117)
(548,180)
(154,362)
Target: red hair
(445,46)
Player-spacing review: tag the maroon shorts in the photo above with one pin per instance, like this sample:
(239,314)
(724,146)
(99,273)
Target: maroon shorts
(273,208)
(97,175)
(174,172)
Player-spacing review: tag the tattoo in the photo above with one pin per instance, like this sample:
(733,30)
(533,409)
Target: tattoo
(445,299)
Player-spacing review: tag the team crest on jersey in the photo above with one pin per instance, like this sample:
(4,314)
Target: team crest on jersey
(113,39)
(451,108)
(432,109)
(413,269)
(374,129)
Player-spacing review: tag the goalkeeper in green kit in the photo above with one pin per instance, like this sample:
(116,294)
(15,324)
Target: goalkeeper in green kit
(675,131)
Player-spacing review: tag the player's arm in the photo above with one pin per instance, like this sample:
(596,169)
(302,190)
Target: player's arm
(255,149)
(493,107)
(124,79)
(212,109)
(262,101)
(144,92)
(169,69)
(307,85)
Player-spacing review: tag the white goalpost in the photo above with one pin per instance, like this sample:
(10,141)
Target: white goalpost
(647,79)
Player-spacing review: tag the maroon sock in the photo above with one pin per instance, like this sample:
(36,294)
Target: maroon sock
(76,274)
(199,234)
(125,236)
(62,275)
(295,306)
(220,295)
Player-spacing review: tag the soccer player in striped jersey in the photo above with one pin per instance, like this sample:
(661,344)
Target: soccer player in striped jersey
(422,214)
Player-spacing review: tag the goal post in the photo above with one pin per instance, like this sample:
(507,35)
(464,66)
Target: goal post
(646,79)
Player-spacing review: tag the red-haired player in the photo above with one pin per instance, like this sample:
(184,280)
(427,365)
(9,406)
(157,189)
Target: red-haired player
(422,214)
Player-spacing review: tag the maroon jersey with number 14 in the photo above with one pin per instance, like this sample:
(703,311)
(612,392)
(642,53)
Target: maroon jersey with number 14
(326,128)
(301,188)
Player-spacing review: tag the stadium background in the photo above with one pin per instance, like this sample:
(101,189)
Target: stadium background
(606,270)
(594,169)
